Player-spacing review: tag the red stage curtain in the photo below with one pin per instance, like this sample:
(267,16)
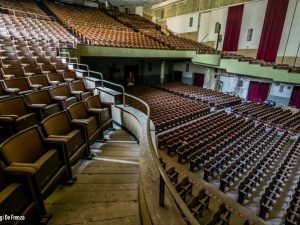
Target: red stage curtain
(295,99)
(258,92)
(233,28)
(272,30)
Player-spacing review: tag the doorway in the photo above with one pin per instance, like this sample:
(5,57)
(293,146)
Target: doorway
(199,79)
(131,75)
(177,76)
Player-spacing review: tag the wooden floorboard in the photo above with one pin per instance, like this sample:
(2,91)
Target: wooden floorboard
(106,190)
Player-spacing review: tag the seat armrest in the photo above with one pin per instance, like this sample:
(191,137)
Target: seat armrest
(28,74)
(76,92)
(12,90)
(54,82)
(59,98)
(107,104)
(37,106)
(7,119)
(78,122)
(20,170)
(56,140)
(30,165)
(36,86)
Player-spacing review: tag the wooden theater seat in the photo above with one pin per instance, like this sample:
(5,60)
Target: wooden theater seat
(26,154)
(42,101)
(60,130)
(15,115)
(95,106)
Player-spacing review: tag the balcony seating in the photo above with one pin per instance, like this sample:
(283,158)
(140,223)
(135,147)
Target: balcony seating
(80,115)
(41,82)
(42,101)
(27,155)
(18,86)
(60,130)
(16,72)
(95,106)
(78,88)
(15,115)
(62,95)
(58,78)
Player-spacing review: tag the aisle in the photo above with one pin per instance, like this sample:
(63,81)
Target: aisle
(106,190)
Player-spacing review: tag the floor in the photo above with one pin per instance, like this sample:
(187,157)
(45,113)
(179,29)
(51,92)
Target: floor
(106,190)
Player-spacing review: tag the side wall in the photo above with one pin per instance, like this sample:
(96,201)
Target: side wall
(279,92)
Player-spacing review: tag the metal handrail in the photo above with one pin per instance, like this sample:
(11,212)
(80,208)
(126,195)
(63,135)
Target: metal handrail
(164,177)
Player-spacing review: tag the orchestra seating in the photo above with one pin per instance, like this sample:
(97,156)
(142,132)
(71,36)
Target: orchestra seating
(276,116)
(245,152)
(213,98)
(167,110)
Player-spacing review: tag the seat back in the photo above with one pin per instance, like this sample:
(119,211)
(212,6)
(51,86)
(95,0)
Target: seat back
(78,86)
(57,124)
(39,97)
(20,83)
(61,91)
(56,77)
(33,69)
(11,62)
(13,106)
(93,102)
(23,147)
(78,111)
(17,71)
(41,79)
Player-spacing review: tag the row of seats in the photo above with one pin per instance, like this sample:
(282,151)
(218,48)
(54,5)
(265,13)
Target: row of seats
(24,85)
(115,29)
(278,181)
(19,112)
(247,157)
(292,212)
(259,170)
(23,8)
(251,60)
(176,135)
(205,153)
(221,155)
(191,149)
(177,43)
(200,202)
(116,38)
(42,30)
(200,127)
(37,158)
(167,110)
(215,99)
(276,116)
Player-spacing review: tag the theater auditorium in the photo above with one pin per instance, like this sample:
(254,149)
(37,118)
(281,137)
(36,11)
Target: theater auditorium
(149,112)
